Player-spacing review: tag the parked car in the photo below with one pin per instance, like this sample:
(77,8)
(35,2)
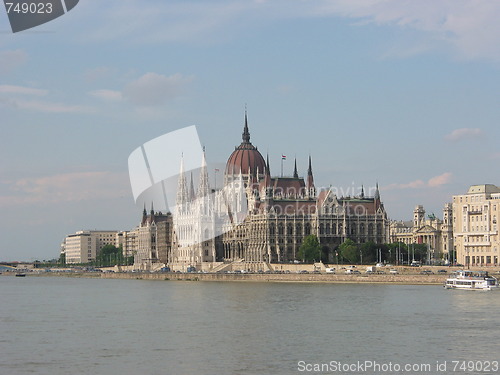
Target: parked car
(426,272)
(352,272)
(393,271)
(442,271)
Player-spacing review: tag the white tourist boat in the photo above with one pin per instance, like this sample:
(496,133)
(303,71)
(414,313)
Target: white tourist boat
(472,280)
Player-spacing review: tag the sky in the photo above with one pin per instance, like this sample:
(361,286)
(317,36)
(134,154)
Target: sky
(403,93)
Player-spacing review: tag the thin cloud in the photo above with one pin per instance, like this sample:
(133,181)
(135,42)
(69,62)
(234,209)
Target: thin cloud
(15,97)
(45,106)
(67,187)
(443,179)
(436,181)
(464,133)
(107,95)
(21,90)
(469,27)
(154,89)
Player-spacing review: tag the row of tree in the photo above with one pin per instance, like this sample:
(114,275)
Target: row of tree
(110,255)
(350,252)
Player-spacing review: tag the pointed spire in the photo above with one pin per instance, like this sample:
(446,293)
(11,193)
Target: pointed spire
(191,188)
(295,174)
(204,186)
(268,169)
(182,193)
(246,133)
(311,190)
(310,178)
(144,213)
(362,191)
(377,193)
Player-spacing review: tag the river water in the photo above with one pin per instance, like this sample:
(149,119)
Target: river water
(56,325)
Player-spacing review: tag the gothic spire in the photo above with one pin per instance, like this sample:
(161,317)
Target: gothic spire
(295,174)
(362,191)
(377,193)
(246,133)
(310,179)
(191,188)
(268,169)
(311,190)
(204,186)
(182,192)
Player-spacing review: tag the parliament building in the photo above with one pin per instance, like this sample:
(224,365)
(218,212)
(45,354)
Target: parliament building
(255,218)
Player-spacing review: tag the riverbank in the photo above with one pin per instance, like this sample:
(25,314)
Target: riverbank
(286,277)
(431,279)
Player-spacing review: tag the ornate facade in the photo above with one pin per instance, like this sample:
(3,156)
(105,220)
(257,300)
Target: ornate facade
(437,234)
(260,218)
(153,239)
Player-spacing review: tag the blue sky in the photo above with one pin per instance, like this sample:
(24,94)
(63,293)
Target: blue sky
(405,93)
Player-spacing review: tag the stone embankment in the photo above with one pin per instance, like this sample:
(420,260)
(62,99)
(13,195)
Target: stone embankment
(284,277)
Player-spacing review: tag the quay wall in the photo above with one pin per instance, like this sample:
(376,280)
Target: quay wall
(290,277)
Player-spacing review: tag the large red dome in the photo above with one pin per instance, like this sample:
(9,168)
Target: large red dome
(245,157)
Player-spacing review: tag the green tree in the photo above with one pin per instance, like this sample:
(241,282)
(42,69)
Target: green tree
(349,251)
(109,255)
(395,250)
(310,249)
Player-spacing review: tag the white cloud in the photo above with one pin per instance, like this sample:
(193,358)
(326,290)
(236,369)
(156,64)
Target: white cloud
(107,95)
(470,27)
(68,187)
(10,89)
(155,89)
(464,133)
(410,185)
(13,96)
(11,60)
(436,181)
(45,106)
(443,179)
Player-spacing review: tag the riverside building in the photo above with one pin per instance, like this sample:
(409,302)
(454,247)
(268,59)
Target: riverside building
(83,246)
(437,234)
(267,217)
(475,227)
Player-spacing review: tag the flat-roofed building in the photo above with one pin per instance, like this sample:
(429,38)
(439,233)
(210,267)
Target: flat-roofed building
(475,227)
(83,246)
